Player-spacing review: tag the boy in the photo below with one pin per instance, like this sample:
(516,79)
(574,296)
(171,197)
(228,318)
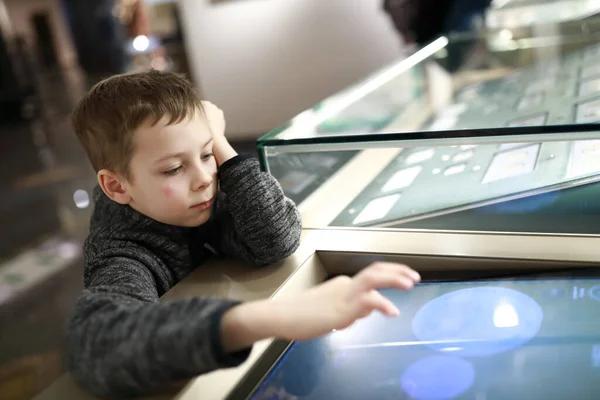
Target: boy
(172,193)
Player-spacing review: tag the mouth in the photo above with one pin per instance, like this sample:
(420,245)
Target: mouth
(205,205)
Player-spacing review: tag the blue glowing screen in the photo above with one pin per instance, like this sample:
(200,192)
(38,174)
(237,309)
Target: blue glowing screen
(496,340)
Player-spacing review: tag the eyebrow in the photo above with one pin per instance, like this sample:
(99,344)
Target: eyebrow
(180,154)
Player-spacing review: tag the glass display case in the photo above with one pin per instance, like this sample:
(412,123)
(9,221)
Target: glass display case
(451,86)
(520,13)
(534,34)
(532,179)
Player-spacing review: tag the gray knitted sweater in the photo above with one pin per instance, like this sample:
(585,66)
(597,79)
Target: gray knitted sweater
(122,340)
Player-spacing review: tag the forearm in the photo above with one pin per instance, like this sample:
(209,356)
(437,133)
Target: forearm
(265,225)
(334,304)
(247,323)
(286,318)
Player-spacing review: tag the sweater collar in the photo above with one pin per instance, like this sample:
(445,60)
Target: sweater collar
(107,211)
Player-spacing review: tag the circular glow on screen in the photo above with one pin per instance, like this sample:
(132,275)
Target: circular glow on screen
(437,378)
(478,322)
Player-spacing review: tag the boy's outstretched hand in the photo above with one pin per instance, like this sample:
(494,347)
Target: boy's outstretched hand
(335,304)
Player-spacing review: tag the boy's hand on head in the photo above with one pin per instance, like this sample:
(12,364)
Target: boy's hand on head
(339,302)
(216,123)
(215,119)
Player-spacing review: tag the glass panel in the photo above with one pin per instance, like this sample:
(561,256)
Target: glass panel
(519,13)
(545,182)
(497,80)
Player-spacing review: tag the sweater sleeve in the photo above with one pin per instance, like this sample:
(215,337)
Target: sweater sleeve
(255,221)
(123,342)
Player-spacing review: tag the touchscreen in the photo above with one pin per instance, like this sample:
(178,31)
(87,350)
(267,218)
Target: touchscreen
(518,339)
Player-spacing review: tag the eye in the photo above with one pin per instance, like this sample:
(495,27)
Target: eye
(207,157)
(173,171)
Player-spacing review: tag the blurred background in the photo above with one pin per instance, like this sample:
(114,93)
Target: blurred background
(262,61)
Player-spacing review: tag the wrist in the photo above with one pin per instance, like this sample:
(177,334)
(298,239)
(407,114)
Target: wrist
(222,150)
(247,323)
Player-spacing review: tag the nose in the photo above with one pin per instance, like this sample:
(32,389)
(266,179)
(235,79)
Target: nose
(202,178)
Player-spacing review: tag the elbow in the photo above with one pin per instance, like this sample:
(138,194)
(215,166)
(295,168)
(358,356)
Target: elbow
(281,245)
(287,243)
(87,380)
(90,367)
(284,250)
(289,246)
(88,375)
(99,380)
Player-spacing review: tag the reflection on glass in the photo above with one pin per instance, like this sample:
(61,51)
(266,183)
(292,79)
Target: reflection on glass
(588,112)
(402,179)
(420,156)
(589,87)
(530,101)
(508,146)
(462,156)
(584,158)
(455,169)
(539,119)
(377,209)
(295,182)
(465,83)
(512,163)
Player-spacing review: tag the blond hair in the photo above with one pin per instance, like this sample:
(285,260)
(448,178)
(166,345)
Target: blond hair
(105,120)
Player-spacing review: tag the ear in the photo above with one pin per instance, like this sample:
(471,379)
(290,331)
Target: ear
(113,186)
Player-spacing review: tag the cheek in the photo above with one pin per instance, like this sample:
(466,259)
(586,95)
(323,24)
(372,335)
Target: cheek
(167,190)
(173,193)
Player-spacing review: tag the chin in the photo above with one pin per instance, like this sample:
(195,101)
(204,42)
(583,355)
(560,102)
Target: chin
(188,221)
(199,219)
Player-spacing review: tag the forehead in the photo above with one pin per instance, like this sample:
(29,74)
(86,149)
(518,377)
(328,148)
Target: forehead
(161,138)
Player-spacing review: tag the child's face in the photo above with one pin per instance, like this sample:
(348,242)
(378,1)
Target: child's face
(174,172)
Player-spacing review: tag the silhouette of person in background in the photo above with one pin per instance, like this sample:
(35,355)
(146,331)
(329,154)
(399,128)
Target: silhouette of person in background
(419,22)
